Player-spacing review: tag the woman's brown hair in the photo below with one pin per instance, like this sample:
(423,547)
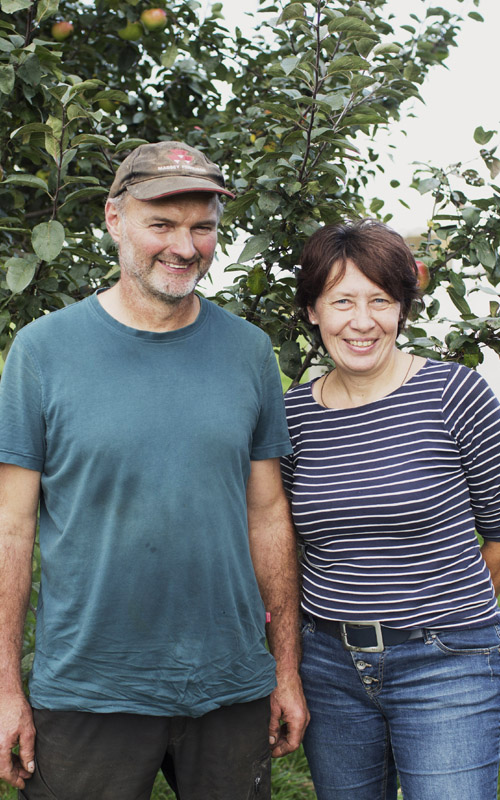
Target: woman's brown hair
(377,251)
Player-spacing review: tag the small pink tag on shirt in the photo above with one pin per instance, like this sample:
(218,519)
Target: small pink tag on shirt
(268,616)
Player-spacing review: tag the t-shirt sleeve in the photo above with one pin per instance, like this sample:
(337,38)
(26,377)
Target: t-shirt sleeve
(472,415)
(270,439)
(286,464)
(22,436)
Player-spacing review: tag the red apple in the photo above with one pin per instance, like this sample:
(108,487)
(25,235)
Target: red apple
(424,277)
(154,19)
(131,32)
(61,30)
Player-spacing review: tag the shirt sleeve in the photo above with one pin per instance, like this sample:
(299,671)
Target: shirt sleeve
(270,439)
(472,415)
(22,429)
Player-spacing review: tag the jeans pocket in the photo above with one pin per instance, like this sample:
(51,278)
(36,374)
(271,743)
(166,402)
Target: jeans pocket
(473,641)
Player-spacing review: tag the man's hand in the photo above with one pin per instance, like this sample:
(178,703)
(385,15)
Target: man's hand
(289,717)
(16,728)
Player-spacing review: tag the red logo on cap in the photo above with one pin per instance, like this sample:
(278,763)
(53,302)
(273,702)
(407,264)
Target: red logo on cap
(180,155)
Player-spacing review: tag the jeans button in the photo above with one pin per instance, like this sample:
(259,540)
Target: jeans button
(361,664)
(367,679)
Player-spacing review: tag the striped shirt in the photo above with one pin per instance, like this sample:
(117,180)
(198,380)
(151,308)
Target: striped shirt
(386,497)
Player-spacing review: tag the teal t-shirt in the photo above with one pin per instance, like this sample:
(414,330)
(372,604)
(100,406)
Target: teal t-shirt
(148,600)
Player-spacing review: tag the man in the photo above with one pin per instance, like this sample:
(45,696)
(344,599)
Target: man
(148,422)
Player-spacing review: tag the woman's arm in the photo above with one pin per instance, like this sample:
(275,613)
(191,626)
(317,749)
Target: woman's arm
(490,551)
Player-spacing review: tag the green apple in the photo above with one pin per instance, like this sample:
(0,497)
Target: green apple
(61,30)
(154,19)
(131,32)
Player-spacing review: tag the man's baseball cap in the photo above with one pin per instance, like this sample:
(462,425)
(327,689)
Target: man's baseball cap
(166,168)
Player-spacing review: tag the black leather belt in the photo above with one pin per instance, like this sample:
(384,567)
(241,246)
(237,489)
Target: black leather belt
(365,636)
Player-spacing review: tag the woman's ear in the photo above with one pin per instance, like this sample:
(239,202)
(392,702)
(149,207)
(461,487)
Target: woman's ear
(313,319)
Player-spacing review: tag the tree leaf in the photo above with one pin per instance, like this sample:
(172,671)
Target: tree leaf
(485,253)
(129,144)
(481,136)
(169,56)
(89,191)
(457,284)
(47,239)
(28,180)
(458,301)
(471,215)
(30,71)
(4,319)
(384,49)
(20,272)
(52,147)
(91,138)
(292,11)
(254,246)
(289,358)
(26,130)
(7,78)
(347,63)
(427,185)
(11,6)
(46,8)
(352,25)
(257,281)
(494,167)
(289,64)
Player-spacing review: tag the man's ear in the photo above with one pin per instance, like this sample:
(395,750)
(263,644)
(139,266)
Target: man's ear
(312,315)
(113,221)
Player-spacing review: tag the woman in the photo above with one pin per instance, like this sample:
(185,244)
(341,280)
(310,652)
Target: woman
(396,459)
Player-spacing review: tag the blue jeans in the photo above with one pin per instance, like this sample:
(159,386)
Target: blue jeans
(428,710)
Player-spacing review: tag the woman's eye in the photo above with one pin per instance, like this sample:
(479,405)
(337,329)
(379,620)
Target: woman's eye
(342,302)
(382,301)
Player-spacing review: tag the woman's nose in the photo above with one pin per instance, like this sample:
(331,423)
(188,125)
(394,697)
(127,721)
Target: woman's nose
(362,318)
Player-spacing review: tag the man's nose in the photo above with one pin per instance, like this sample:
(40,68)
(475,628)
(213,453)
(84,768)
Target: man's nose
(182,245)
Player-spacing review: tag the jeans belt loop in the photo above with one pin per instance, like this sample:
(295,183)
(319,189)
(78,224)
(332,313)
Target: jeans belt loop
(378,648)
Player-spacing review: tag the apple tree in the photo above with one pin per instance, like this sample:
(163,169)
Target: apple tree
(290,112)
(461,251)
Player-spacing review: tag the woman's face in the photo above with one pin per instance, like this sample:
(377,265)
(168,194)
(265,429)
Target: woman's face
(358,322)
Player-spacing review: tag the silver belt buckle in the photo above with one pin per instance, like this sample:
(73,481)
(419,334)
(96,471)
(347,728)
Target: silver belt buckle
(378,648)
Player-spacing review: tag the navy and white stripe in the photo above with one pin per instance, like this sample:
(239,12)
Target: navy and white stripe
(386,497)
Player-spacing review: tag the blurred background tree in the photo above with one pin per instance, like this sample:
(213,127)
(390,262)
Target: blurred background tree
(286,112)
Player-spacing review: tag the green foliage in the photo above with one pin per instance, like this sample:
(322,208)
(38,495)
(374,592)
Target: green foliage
(461,250)
(282,112)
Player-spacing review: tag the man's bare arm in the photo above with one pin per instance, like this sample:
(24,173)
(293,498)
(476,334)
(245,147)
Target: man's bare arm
(274,555)
(19,492)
